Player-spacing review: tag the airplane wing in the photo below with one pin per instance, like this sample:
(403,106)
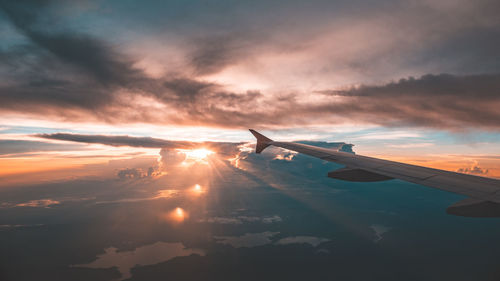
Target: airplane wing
(483,193)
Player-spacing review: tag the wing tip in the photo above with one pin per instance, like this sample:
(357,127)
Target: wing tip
(262,141)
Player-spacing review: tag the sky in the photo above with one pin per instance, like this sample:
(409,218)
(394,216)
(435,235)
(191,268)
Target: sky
(416,81)
(125,150)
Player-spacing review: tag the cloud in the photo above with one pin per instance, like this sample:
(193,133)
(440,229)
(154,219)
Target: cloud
(161,194)
(411,145)
(8,147)
(379,231)
(264,238)
(171,152)
(223,148)
(147,142)
(222,220)
(439,101)
(474,170)
(40,203)
(214,53)
(60,72)
(133,173)
(247,240)
(90,55)
(285,155)
(311,240)
(10,226)
(170,157)
(243,219)
(272,219)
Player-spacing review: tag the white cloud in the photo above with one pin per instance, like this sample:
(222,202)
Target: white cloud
(411,145)
(247,239)
(311,240)
(388,135)
(379,230)
(242,219)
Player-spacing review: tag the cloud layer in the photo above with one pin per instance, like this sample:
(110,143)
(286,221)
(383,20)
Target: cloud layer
(330,69)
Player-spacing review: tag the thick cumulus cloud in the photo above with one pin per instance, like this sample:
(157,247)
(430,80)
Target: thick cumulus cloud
(170,157)
(62,72)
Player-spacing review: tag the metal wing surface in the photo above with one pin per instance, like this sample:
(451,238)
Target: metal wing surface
(483,193)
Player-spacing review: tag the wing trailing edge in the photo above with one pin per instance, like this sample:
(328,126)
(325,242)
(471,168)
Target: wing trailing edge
(476,208)
(357,175)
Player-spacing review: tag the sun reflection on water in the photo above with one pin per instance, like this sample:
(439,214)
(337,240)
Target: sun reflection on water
(197,189)
(177,215)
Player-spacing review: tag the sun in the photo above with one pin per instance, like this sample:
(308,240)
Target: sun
(198,154)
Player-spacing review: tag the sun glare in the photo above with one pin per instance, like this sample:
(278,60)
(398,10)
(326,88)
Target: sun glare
(198,154)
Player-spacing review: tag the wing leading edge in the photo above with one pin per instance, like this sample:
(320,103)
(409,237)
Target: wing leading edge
(483,193)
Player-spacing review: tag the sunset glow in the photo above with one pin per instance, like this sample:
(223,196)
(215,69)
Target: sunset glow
(131,137)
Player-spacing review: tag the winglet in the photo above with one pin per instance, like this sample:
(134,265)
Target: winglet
(262,141)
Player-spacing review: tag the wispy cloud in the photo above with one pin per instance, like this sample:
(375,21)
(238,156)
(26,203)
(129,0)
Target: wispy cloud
(412,145)
(247,239)
(40,203)
(242,219)
(388,135)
